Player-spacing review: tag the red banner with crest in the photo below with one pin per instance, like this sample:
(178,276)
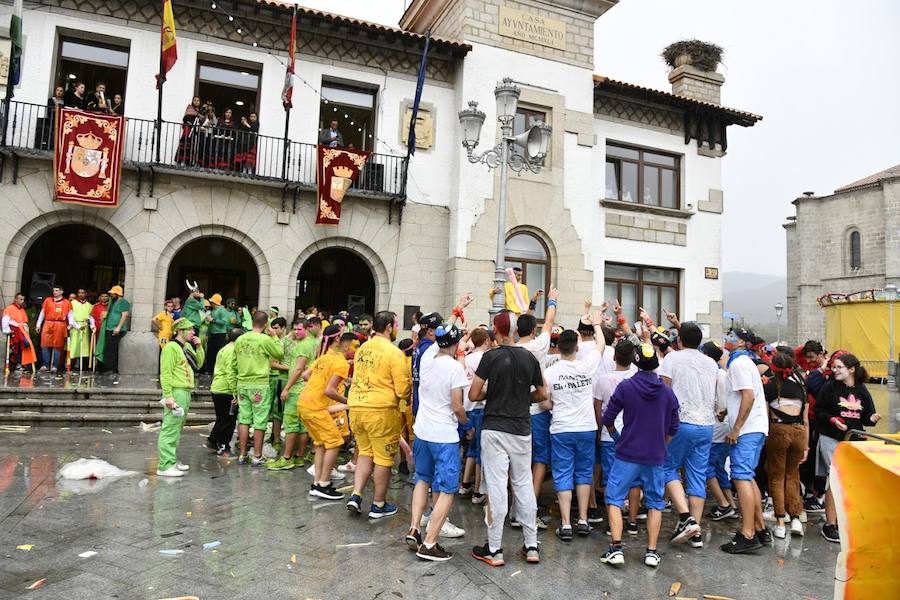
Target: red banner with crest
(87,161)
(337,169)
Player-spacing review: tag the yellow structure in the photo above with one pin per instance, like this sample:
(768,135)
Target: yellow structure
(862,328)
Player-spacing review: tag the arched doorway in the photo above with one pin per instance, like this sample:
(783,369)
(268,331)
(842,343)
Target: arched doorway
(336,279)
(72,256)
(219,266)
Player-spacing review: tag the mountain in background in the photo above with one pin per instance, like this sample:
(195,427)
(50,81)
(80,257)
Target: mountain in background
(753,296)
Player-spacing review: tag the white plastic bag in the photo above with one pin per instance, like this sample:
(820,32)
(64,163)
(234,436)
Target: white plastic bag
(91,468)
(269,451)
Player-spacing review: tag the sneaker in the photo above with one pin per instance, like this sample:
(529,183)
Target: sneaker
(312,470)
(257,462)
(484,554)
(426,516)
(338,476)
(531,554)
(326,492)
(796,527)
(651,558)
(720,512)
(449,530)
(769,515)
(346,468)
(779,531)
(740,545)
(564,532)
(831,533)
(539,523)
(465,490)
(631,527)
(764,536)
(182,467)
(668,508)
(436,553)
(685,530)
(354,503)
(583,528)
(812,506)
(170,472)
(803,517)
(222,450)
(642,511)
(595,515)
(513,522)
(280,464)
(478,498)
(379,512)
(697,541)
(413,538)
(211,445)
(299,461)
(613,556)
(242,459)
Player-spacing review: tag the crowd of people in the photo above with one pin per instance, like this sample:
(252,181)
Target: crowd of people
(76,96)
(225,142)
(640,419)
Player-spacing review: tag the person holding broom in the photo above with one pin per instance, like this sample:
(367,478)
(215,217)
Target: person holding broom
(19,349)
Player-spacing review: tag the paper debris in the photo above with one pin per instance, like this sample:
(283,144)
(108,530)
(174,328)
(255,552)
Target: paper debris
(714,597)
(15,428)
(93,468)
(188,514)
(674,588)
(87,554)
(211,545)
(516,573)
(150,427)
(294,558)
(143,483)
(346,488)
(171,552)
(356,545)
(170,534)
(37,584)
(684,598)
(25,547)
(106,431)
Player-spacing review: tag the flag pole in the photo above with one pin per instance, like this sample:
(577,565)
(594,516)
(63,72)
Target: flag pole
(288,104)
(411,136)
(159,88)
(284,155)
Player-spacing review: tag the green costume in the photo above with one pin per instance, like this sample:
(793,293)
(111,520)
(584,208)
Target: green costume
(222,320)
(254,352)
(306,348)
(277,379)
(224,379)
(246,319)
(80,338)
(176,377)
(192,311)
(116,308)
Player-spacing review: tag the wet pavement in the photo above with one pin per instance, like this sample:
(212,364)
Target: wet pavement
(86,380)
(277,542)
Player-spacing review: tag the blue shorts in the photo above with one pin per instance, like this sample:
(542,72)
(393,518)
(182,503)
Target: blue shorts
(718,452)
(540,437)
(438,465)
(745,455)
(689,448)
(476,418)
(624,475)
(573,458)
(607,456)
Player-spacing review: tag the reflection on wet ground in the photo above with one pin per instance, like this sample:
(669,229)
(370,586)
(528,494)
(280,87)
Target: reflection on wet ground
(277,542)
(87,380)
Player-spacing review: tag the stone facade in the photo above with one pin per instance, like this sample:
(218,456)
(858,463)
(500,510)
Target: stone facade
(691,82)
(646,229)
(818,250)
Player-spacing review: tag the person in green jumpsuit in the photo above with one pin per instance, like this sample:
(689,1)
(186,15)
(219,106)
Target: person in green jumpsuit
(193,309)
(179,360)
(277,378)
(254,352)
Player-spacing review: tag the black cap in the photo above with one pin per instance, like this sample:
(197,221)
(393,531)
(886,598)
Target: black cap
(645,357)
(712,350)
(431,321)
(447,335)
(585,327)
(746,334)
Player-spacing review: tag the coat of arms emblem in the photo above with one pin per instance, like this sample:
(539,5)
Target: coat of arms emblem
(84,158)
(341,180)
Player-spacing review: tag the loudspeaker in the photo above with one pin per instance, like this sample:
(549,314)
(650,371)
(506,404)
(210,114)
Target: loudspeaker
(41,286)
(356,305)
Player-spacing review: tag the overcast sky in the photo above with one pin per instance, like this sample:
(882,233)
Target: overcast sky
(824,74)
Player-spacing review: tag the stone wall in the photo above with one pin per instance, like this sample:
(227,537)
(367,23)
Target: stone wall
(691,82)
(656,230)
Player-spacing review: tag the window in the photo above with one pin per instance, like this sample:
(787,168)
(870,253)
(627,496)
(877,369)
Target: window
(526,118)
(634,287)
(855,251)
(642,176)
(354,110)
(229,86)
(528,252)
(91,63)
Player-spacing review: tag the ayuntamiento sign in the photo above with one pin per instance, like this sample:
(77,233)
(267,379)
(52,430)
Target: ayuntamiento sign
(532,27)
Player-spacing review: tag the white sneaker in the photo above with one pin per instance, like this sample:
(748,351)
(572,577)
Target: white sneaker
(424,522)
(182,466)
(170,472)
(796,527)
(779,531)
(312,470)
(337,475)
(803,516)
(449,530)
(347,468)
(769,515)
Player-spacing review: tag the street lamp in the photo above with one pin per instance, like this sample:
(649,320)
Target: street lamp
(890,294)
(534,143)
(779,308)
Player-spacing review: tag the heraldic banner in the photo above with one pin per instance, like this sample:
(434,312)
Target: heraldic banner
(337,169)
(88,157)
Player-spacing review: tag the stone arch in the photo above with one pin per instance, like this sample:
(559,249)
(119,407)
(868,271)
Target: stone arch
(222,231)
(371,258)
(27,235)
(544,237)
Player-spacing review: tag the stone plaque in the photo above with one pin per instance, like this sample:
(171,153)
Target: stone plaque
(711,272)
(5,54)
(424,127)
(532,27)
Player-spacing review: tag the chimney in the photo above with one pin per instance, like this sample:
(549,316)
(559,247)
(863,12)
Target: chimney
(693,72)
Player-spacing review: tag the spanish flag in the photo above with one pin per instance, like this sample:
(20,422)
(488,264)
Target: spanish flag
(168,49)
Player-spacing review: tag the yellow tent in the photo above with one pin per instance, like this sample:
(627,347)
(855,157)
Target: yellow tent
(862,328)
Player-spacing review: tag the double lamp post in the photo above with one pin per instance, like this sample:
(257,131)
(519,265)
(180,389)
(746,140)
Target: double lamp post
(523,152)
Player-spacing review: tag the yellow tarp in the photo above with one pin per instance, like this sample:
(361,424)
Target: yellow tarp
(862,328)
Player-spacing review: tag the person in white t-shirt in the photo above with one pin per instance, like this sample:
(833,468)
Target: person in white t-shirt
(436,447)
(475,413)
(749,421)
(718,481)
(573,427)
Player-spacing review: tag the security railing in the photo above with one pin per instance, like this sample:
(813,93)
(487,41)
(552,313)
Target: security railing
(229,151)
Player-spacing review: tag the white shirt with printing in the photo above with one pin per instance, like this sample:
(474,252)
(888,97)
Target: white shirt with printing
(693,376)
(436,421)
(539,348)
(571,387)
(743,375)
(604,386)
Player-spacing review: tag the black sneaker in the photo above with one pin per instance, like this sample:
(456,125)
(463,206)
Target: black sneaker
(436,553)
(595,515)
(564,533)
(740,545)
(631,527)
(484,554)
(668,507)
(513,522)
(720,512)
(812,505)
(583,528)
(413,539)
(211,445)
(326,492)
(642,512)
(831,533)
(685,530)
(764,536)
(697,541)
(531,554)
(613,555)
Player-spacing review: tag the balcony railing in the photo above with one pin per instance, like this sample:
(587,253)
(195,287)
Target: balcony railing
(224,151)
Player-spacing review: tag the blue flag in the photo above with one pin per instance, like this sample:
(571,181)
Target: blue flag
(420,83)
